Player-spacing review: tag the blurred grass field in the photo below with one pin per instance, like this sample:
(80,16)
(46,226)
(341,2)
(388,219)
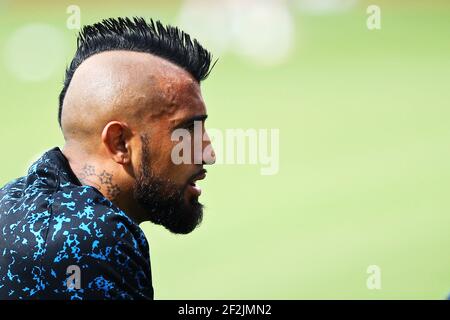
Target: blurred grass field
(364,155)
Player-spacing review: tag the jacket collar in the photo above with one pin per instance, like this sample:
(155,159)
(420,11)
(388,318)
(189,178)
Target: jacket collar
(52,170)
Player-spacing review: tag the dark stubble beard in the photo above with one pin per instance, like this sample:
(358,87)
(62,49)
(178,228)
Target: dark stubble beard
(164,201)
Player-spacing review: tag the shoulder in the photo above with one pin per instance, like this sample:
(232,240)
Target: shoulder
(89,232)
(12,189)
(84,215)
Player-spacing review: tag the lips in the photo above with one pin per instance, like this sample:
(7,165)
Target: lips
(192,186)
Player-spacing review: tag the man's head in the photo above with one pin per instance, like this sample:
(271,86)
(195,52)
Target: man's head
(129,86)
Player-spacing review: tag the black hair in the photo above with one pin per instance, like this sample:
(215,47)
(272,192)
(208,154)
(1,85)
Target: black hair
(139,35)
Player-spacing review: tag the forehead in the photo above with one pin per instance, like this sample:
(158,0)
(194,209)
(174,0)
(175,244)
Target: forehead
(182,97)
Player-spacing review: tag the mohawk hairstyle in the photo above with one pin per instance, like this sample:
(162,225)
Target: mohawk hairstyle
(137,35)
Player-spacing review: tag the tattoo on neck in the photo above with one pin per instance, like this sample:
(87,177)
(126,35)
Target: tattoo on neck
(105,178)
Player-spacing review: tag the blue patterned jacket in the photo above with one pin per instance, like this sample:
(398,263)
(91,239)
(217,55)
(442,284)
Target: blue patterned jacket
(62,240)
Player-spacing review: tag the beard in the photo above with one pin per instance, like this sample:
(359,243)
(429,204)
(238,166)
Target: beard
(164,201)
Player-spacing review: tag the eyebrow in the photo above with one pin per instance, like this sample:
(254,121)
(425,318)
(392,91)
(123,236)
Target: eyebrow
(183,123)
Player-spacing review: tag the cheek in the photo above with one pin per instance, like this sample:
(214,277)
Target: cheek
(178,173)
(162,164)
(160,146)
(161,160)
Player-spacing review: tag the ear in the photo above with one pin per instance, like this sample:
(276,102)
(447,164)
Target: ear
(116,138)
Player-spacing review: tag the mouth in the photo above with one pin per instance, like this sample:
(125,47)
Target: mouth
(192,185)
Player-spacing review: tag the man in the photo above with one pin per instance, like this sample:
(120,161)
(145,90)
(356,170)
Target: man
(70,227)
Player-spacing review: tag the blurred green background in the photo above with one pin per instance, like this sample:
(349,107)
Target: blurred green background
(363,115)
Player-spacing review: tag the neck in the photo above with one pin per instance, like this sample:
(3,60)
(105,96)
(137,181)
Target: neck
(106,179)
